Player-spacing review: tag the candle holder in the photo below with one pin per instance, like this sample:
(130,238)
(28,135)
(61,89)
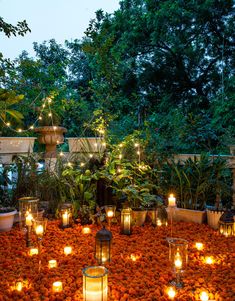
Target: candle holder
(28,226)
(66,215)
(110,213)
(103,243)
(178,256)
(226,224)
(40,229)
(171,210)
(126,221)
(95,283)
(27,205)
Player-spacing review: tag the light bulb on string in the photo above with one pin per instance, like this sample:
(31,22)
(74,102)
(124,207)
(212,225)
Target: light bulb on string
(31,127)
(8,124)
(19,130)
(120,145)
(82,164)
(138,152)
(91,156)
(43,105)
(120,156)
(40,117)
(49,100)
(136,144)
(50,114)
(54,127)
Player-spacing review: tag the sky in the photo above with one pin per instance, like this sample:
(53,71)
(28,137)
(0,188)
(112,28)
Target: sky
(48,19)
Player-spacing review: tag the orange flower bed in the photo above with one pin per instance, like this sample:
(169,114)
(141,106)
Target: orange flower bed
(139,270)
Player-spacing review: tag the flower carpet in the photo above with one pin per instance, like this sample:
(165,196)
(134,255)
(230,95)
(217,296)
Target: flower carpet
(139,270)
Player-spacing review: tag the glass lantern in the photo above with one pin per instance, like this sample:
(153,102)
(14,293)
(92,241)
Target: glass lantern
(226,224)
(103,243)
(110,213)
(161,218)
(66,215)
(178,256)
(126,221)
(95,283)
(27,205)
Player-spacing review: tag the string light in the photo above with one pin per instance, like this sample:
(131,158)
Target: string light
(50,114)
(136,144)
(82,164)
(120,145)
(120,156)
(40,117)
(91,156)
(31,127)
(20,130)
(8,124)
(54,127)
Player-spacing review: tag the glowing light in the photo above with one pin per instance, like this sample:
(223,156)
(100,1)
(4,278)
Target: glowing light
(138,152)
(33,251)
(57,142)
(178,261)
(54,127)
(50,114)
(209,260)
(20,130)
(120,156)
(19,286)
(119,170)
(134,257)
(61,154)
(82,164)
(67,250)
(49,100)
(171,292)
(104,144)
(69,164)
(120,145)
(52,264)
(91,156)
(8,124)
(31,127)
(57,287)
(86,230)
(199,246)
(204,296)
(40,117)
(159,223)
(43,105)
(136,144)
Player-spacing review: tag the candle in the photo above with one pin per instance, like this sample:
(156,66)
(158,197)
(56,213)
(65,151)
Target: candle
(33,251)
(199,246)
(159,223)
(171,292)
(134,257)
(57,287)
(52,264)
(39,230)
(28,219)
(19,286)
(110,213)
(67,250)
(171,201)
(209,260)
(204,296)
(86,230)
(65,219)
(178,261)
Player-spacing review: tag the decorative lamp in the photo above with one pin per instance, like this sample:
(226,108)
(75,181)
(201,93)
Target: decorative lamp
(40,229)
(103,242)
(126,221)
(66,214)
(178,255)
(95,283)
(161,216)
(27,205)
(110,213)
(226,224)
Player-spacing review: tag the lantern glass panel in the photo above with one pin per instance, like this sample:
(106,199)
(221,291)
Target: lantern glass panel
(178,254)
(66,215)
(27,205)
(103,251)
(110,211)
(126,221)
(95,284)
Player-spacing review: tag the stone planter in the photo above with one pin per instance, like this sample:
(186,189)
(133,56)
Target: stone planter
(6,220)
(138,216)
(51,136)
(86,145)
(188,215)
(213,217)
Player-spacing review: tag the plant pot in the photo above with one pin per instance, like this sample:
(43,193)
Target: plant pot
(87,145)
(191,216)
(6,220)
(138,216)
(51,136)
(213,217)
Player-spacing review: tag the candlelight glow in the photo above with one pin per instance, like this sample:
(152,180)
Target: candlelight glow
(39,230)
(159,223)
(110,213)
(28,219)
(67,250)
(199,246)
(33,251)
(209,260)
(134,257)
(19,286)
(178,261)
(57,287)
(171,292)
(171,201)
(52,264)
(86,230)
(204,296)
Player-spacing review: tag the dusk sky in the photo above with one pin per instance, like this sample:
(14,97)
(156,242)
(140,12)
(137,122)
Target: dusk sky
(48,19)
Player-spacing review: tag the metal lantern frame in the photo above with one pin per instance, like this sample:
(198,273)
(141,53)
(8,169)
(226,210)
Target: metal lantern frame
(95,283)
(126,221)
(103,246)
(226,224)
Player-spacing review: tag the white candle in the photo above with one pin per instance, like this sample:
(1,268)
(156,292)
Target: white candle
(65,219)
(110,213)
(19,286)
(52,264)
(67,250)
(171,201)
(28,219)
(33,251)
(204,296)
(57,287)
(199,246)
(209,260)
(178,261)
(39,230)
(86,230)
(96,296)
(159,223)
(171,292)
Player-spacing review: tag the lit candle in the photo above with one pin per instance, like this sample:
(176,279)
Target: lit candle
(67,250)
(171,201)
(28,219)
(178,261)
(52,264)
(86,230)
(57,287)
(171,292)
(159,223)
(65,219)
(199,246)
(110,213)
(33,251)
(39,230)
(204,296)
(209,260)
(19,286)
(134,257)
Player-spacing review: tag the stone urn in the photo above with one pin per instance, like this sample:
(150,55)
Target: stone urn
(51,136)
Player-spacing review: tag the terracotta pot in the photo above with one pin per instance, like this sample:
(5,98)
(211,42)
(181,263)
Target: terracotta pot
(51,136)
(6,220)
(138,216)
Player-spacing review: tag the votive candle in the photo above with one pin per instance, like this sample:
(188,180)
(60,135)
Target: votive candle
(67,250)
(52,263)
(57,287)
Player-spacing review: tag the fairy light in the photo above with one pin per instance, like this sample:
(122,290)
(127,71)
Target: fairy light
(91,156)
(119,170)
(40,117)
(82,164)
(49,100)
(104,144)
(120,156)
(138,152)
(69,164)
(8,124)
(54,127)
(31,127)
(120,145)
(43,105)
(20,130)
(136,144)
(50,114)
(57,142)
(61,154)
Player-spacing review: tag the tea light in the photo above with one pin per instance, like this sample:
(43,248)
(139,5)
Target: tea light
(209,260)
(171,292)
(19,286)
(86,230)
(204,296)
(134,257)
(57,287)
(52,264)
(199,246)
(67,250)
(33,251)
(39,230)
(171,201)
